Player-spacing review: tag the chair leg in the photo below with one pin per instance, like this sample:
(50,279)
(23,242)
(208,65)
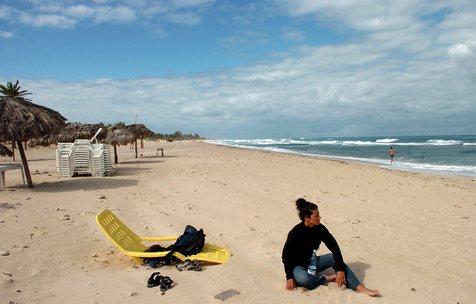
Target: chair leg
(23,176)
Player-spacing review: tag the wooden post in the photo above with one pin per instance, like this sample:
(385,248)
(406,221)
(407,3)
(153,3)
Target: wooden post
(141,143)
(25,164)
(135,146)
(115,155)
(13,149)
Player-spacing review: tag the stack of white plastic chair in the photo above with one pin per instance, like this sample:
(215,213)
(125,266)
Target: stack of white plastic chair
(82,157)
(64,159)
(101,163)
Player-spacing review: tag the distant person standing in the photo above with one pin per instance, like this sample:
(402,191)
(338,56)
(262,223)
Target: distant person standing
(391,152)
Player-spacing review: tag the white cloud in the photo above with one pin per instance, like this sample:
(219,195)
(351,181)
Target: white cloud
(48,20)
(79,11)
(459,50)
(190,3)
(245,38)
(6,35)
(116,14)
(49,8)
(161,33)
(184,18)
(5,11)
(68,14)
(293,35)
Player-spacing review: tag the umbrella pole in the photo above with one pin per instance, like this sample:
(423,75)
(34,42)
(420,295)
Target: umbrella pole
(13,150)
(141,143)
(115,154)
(135,146)
(25,164)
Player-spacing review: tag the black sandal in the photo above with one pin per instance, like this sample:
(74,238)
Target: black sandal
(154,280)
(165,284)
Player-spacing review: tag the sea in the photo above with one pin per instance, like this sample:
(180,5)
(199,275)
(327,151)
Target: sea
(448,155)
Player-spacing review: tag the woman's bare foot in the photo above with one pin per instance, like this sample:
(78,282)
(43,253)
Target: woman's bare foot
(330,278)
(371,292)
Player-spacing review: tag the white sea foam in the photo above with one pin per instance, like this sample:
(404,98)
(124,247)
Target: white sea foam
(408,166)
(441,142)
(386,140)
(378,142)
(464,170)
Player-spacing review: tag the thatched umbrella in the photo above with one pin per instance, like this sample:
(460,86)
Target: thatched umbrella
(139,131)
(71,132)
(20,119)
(44,141)
(77,130)
(117,137)
(4,151)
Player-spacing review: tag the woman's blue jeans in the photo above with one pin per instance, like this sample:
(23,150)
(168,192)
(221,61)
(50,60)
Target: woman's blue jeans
(309,281)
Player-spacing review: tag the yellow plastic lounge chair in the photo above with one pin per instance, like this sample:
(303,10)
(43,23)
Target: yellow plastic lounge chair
(131,244)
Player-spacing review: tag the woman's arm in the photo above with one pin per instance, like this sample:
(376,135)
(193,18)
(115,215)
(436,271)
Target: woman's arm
(287,257)
(331,243)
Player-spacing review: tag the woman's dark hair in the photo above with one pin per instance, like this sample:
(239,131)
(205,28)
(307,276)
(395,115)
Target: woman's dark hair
(304,208)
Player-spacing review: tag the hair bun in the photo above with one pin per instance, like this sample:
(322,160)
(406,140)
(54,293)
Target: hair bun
(301,203)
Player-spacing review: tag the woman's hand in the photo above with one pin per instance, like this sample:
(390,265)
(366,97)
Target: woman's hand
(290,284)
(340,280)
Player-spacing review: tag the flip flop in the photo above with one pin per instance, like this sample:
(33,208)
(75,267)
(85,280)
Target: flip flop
(189,265)
(165,284)
(154,280)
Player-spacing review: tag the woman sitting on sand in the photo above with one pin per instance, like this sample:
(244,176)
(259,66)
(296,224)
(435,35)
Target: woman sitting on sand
(299,248)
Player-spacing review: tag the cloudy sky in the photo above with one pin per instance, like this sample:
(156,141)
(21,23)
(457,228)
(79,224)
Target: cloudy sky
(242,69)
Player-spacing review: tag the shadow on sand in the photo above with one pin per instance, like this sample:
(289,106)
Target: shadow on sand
(121,171)
(158,157)
(359,269)
(140,161)
(40,159)
(85,183)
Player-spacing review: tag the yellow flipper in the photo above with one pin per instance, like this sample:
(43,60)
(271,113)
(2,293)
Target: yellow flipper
(131,244)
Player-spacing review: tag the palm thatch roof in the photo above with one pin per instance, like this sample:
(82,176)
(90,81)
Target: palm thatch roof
(20,119)
(4,151)
(139,130)
(119,136)
(76,130)
(43,141)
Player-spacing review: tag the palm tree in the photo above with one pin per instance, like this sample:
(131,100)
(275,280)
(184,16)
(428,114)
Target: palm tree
(20,119)
(12,90)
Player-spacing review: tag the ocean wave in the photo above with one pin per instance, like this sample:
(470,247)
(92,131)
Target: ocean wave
(465,170)
(407,166)
(378,142)
(441,142)
(386,140)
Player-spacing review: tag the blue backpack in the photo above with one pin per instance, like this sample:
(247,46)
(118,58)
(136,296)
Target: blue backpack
(189,243)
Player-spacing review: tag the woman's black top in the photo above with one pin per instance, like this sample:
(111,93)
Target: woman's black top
(301,243)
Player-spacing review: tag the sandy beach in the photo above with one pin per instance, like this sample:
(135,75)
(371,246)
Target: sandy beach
(409,235)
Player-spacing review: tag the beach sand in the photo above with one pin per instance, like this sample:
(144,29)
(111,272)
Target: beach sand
(409,235)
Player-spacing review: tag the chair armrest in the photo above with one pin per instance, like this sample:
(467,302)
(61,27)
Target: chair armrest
(158,238)
(159,254)
(140,254)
